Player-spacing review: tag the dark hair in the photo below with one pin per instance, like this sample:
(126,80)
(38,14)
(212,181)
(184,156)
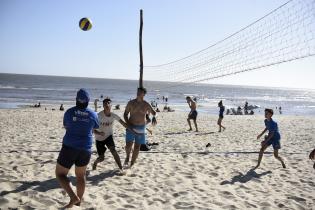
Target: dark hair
(188,97)
(82,105)
(107,100)
(220,103)
(269,111)
(142,89)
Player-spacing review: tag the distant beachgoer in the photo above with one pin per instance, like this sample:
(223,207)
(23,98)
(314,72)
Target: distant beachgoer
(273,138)
(79,122)
(104,135)
(246,108)
(117,107)
(135,117)
(61,108)
(280,110)
(166,99)
(37,105)
(169,109)
(193,113)
(239,111)
(222,108)
(312,156)
(95,105)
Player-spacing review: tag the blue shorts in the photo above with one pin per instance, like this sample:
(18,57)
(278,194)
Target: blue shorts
(139,138)
(69,156)
(275,142)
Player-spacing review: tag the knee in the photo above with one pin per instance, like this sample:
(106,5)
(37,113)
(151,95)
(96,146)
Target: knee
(276,155)
(81,178)
(137,146)
(60,174)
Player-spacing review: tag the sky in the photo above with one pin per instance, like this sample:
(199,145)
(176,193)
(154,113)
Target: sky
(43,37)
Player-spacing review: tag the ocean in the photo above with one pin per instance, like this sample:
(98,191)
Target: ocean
(18,90)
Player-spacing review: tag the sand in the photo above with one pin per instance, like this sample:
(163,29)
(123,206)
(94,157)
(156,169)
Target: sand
(179,173)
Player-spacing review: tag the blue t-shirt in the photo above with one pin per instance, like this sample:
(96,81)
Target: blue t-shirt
(79,124)
(272,127)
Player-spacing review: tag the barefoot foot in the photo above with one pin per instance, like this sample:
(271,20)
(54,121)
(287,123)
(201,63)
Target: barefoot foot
(73,201)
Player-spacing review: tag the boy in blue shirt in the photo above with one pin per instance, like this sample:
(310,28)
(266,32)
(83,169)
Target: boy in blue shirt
(79,122)
(273,138)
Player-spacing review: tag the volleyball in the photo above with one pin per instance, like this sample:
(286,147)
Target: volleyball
(85,24)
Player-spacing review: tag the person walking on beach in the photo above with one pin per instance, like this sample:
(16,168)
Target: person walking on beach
(273,138)
(79,122)
(135,117)
(193,113)
(222,108)
(105,134)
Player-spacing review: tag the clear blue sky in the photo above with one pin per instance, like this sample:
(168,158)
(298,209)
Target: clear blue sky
(43,37)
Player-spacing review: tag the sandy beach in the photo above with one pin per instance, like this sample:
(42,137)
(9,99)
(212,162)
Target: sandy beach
(179,173)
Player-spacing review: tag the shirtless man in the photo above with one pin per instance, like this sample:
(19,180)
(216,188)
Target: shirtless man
(135,117)
(193,113)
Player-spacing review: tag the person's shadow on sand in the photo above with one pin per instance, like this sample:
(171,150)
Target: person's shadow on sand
(50,184)
(243,178)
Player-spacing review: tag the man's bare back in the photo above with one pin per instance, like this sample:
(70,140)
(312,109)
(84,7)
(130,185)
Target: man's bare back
(193,105)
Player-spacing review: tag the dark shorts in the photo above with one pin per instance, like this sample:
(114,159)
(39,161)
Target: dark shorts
(69,156)
(100,145)
(275,142)
(193,115)
(221,116)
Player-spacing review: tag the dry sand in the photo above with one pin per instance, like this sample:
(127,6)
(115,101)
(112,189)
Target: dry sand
(179,173)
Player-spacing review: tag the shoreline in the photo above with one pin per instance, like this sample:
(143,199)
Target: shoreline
(182,108)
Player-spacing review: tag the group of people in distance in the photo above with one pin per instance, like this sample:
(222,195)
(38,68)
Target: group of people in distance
(193,113)
(273,137)
(81,122)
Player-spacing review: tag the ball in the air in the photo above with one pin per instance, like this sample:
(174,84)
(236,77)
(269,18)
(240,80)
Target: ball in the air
(85,24)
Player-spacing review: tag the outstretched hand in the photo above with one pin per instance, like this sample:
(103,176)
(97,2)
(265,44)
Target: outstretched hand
(312,155)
